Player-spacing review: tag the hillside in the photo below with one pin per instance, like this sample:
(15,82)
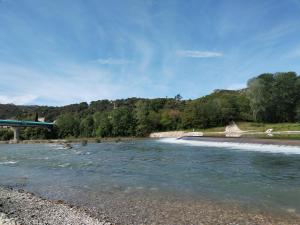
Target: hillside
(269,98)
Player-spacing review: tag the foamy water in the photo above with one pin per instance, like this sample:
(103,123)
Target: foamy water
(8,162)
(283,149)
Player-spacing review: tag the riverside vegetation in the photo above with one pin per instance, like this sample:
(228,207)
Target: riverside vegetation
(268,98)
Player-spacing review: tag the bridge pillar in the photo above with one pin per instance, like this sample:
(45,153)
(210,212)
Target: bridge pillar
(16,131)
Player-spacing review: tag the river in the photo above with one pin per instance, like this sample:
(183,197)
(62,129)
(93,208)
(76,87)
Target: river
(129,180)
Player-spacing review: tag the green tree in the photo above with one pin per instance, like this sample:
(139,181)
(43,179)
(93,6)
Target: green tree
(297,112)
(261,98)
(170,119)
(178,97)
(33,133)
(102,124)
(87,126)
(123,122)
(147,119)
(192,115)
(68,125)
(273,97)
(285,93)
(6,134)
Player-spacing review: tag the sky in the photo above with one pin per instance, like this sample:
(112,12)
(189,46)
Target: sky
(57,52)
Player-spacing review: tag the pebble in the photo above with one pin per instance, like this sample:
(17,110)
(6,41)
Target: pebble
(19,207)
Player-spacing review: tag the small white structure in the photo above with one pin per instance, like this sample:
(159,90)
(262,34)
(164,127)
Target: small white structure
(41,119)
(175,134)
(232,128)
(269,131)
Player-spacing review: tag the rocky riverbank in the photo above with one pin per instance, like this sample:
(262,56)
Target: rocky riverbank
(21,208)
(74,140)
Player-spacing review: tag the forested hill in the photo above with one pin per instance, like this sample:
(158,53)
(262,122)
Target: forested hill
(268,98)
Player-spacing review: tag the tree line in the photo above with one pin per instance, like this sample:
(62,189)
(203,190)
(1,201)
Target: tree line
(267,98)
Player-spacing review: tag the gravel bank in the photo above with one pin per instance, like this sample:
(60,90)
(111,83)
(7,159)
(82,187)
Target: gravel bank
(21,208)
(18,207)
(138,208)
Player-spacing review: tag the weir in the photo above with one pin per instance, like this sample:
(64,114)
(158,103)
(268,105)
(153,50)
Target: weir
(238,144)
(15,125)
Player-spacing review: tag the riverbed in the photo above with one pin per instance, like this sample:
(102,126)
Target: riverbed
(162,181)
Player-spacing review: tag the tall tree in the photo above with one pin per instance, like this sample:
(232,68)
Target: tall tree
(68,125)
(87,126)
(261,97)
(102,124)
(147,119)
(273,97)
(123,122)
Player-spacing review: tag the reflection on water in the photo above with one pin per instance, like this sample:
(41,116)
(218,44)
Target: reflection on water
(256,176)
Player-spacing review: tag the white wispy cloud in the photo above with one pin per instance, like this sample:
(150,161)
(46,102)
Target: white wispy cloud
(111,61)
(18,100)
(69,83)
(65,85)
(199,54)
(277,33)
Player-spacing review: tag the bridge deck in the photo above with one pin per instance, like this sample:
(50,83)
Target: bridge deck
(17,123)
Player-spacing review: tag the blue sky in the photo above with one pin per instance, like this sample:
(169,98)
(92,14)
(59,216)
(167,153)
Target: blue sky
(58,52)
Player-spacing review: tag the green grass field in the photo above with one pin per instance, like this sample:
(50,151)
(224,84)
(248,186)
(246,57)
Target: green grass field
(259,127)
(264,126)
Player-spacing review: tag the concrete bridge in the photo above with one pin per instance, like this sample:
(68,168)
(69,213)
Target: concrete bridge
(15,125)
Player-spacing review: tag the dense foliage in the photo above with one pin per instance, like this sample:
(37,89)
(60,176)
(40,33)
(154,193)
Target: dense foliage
(275,97)
(268,98)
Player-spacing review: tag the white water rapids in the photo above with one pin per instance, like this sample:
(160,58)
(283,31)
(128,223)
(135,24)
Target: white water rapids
(270,148)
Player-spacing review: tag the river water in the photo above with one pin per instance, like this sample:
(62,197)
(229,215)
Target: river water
(265,177)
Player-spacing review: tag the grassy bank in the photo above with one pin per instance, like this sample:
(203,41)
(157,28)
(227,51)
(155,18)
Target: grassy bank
(259,127)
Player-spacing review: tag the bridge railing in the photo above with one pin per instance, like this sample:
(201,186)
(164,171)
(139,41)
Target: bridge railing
(20,123)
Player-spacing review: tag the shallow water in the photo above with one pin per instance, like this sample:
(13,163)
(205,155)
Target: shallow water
(266,177)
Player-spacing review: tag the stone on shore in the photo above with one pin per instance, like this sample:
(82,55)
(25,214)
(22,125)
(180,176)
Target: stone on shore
(27,209)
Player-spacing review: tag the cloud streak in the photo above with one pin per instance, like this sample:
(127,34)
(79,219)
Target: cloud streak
(110,61)
(70,83)
(198,54)
(148,50)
